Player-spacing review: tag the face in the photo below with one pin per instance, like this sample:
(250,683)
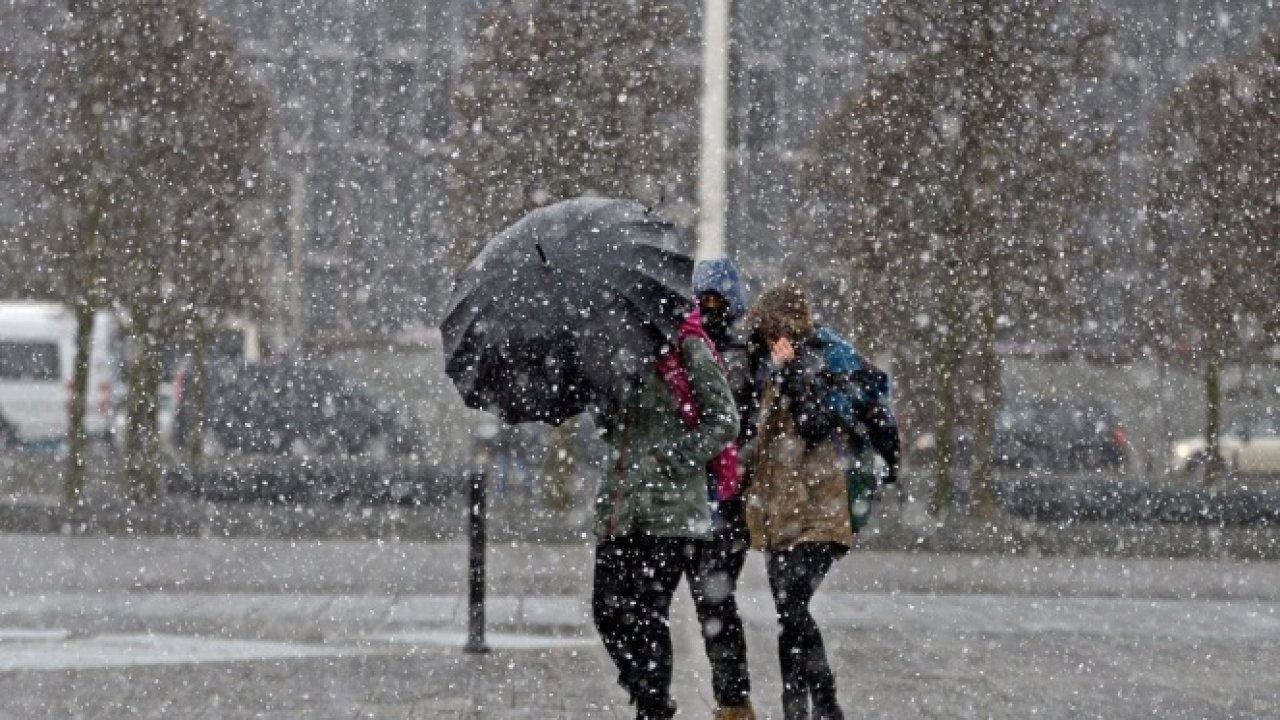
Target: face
(711,302)
(715,312)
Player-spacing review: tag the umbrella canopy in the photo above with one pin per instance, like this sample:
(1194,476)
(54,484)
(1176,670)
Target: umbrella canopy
(560,311)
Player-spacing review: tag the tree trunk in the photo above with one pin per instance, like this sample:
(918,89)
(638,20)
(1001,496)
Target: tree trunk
(979,188)
(77,439)
(142,451)
(947,364)
(83,273)
(987,371)
(194,389)
(1215,465)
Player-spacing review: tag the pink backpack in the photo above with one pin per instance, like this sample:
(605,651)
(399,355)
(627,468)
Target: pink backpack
(723,467)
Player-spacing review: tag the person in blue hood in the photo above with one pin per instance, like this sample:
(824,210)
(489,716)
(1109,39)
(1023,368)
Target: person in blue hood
(722,302)
(718,287)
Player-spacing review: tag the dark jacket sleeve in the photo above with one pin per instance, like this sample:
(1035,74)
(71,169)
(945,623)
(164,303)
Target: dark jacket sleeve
(882,430)
(801,382)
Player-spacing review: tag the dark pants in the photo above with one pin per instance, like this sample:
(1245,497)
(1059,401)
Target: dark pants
(635,578)
(794,576)
(713,581)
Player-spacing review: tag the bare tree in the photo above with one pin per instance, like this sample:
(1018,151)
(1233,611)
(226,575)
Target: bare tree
(951,184)
(79,174)
(559,99)
(27,67)
(160,141)
(564,98)
(1215,212)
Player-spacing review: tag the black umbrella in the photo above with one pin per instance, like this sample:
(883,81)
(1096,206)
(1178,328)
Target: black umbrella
(564,308)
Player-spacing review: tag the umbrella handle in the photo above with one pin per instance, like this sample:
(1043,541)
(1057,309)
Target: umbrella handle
(542,254)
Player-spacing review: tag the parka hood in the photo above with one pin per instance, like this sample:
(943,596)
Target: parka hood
(720,276)
(783,310)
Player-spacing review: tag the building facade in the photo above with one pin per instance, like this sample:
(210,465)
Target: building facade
(361,90)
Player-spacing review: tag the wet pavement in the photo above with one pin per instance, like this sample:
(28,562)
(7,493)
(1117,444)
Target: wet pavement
(203,628)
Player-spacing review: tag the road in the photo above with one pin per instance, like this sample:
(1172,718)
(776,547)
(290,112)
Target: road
(244,628)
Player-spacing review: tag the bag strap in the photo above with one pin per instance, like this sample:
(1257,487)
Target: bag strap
(671,366)
(723,474)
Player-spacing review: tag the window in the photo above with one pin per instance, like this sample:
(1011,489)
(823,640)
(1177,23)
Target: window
(258,18)
(405,206)
(9,92)
(325,295)
(837,86)
(397,99)
(842,22)
(325,206)
(762,108)
(401,19)
(436,98)
(763,24)
(425,198)
(329,91)
(369,23)
(28,361)
(366,106)
(326,20)
(371,198)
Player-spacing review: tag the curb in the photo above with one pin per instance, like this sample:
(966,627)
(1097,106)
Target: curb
(907,529)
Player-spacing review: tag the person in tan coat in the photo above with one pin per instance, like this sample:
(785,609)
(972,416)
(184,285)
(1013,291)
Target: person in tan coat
(797,502)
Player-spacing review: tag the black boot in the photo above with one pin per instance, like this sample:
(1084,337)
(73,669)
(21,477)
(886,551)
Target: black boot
(655,709)
(827,712)
(795,703)
(825,706)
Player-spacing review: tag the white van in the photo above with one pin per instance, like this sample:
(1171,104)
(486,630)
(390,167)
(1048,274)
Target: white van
(37,359)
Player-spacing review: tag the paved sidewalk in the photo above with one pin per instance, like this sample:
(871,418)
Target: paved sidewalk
(212,629)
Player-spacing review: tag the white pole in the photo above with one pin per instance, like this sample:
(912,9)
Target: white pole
(711,169)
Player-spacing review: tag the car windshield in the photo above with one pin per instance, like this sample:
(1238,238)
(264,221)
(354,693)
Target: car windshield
(1018,418)
(1039,417)
(1254,427)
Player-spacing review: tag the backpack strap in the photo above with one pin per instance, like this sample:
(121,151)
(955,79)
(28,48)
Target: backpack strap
(723,468)
(671,366)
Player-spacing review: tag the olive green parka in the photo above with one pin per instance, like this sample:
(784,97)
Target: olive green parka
(655,479)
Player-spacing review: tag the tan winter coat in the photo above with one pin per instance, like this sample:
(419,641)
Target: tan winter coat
(797,494)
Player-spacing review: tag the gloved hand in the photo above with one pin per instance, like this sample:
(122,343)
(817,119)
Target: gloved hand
(800,377)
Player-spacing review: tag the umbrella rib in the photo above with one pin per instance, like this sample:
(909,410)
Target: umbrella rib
(506,288)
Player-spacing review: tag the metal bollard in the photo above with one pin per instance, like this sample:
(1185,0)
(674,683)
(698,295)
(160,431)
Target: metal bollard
(475,590)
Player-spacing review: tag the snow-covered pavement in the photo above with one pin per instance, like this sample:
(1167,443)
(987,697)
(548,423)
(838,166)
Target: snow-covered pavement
(205,628)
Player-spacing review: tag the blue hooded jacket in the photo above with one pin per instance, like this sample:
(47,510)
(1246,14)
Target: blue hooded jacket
(721,276)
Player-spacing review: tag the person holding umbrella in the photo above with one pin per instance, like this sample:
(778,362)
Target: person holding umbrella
(586,306)
(652,511)
(721,303)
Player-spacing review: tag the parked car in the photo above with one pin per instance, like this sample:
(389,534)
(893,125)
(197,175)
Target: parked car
(1044,435)
(1250,445)
(1060,435)
(37,364)
(298,409)
(923,450)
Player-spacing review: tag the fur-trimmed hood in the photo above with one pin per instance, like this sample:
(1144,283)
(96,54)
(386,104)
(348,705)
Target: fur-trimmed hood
(783,310)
